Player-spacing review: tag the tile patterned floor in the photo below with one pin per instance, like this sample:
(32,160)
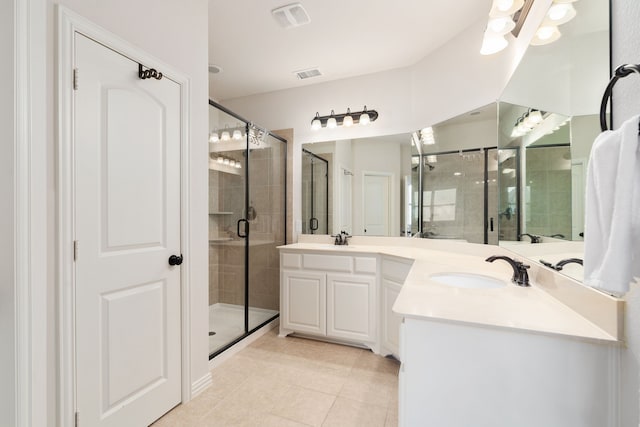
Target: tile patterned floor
(283,382)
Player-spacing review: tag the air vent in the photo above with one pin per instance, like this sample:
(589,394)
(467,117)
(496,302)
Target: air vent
(307,74)
(291,15)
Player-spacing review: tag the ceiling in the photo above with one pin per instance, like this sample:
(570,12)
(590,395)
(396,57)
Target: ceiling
(345,38)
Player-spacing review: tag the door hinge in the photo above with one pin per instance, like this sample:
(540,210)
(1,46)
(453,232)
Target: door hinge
(75,79)
(75,250)
(77,419)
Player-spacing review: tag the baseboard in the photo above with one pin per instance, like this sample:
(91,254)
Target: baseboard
(230,352)
(201,384)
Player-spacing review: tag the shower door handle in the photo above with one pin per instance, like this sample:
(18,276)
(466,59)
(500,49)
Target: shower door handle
(491,224)
(313,221)
(246,228)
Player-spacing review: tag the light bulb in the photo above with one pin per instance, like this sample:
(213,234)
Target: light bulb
(545,35)
(332,123)
(237,135)
(225,162)
(501,25)
(561,13)
(535,116)
(364,117)
(504,5)
(238,165)
(220,159)
(225,136)
(348,120)
(492,43)
(232,163)
(214,137)
(316,124)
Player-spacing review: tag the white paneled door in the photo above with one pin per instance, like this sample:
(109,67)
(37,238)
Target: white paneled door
(127,222)
(376,215)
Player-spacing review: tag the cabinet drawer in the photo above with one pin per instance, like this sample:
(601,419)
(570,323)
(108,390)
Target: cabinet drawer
(395,270)
(291,260)
(327,262)
(366,265)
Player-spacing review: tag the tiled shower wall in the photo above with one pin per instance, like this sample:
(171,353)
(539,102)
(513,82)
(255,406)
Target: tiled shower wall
(227,258)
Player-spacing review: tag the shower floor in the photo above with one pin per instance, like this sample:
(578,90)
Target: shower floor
(227,321)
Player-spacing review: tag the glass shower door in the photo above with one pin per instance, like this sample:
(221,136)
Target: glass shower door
(227,195)
(267,225)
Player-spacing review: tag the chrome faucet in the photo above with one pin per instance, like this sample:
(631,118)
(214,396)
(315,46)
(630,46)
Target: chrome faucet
(341,239)
(520,275)
(533,237)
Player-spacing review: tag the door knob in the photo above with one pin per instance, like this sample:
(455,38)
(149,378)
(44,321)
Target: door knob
(175,259)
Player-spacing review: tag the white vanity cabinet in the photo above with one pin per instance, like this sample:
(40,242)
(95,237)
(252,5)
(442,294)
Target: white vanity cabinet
(330,295)
(460,375)
(394,271)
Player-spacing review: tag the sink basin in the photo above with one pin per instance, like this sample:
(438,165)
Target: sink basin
(468,280)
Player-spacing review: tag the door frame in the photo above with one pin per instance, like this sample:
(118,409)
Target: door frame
(70,23)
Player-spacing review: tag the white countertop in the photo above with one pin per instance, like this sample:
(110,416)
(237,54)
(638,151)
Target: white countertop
(524,308)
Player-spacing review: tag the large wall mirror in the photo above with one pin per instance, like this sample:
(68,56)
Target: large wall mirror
(548,120)
(473,177)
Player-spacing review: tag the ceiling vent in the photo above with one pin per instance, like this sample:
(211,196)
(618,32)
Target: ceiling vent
(307,74)
(291,15)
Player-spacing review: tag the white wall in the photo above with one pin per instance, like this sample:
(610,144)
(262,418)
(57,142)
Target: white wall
(7,219)
(176,32)
(626,48)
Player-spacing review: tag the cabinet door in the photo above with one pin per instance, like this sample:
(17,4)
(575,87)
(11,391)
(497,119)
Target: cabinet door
(351,303)
(390,322)
(304,302)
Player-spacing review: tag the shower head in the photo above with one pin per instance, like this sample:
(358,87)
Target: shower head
(430,166)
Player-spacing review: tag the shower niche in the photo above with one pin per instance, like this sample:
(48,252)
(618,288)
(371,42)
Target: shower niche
(247,200)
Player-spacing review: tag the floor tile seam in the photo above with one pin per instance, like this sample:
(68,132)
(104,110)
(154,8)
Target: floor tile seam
(335,399)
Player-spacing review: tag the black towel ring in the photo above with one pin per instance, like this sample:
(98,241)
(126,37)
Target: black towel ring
(621,71)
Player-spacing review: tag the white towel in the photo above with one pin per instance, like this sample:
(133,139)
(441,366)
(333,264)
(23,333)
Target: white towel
(612,217)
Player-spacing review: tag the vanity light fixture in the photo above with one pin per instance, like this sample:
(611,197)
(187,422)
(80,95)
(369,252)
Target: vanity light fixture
(426,136)
(237,135)
(527,122)
(347,119)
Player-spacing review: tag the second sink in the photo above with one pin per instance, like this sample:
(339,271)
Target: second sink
(467,280)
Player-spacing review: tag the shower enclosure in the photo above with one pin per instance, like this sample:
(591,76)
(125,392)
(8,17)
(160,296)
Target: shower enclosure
(456,195)
(315,193)
(247,217)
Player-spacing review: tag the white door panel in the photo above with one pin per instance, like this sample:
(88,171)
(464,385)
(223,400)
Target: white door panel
(127,223)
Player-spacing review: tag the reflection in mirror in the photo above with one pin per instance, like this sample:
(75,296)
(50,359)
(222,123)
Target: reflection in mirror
(368,182)
(458,163)
(547,123)
(315,194)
